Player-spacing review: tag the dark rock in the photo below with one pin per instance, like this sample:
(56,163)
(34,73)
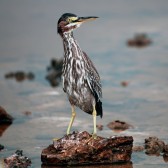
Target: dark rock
(140,40)
(54,72)
(9,75)
(3,128)
(124,83)
(1,147)
(165,150)
(118,125)
(154,146)
(20,76)
(17,160)
(56,64)
(54,78)
(5,118)
(82,149)
(165,157)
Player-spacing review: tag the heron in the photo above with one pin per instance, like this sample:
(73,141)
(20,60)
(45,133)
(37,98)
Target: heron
(81,81)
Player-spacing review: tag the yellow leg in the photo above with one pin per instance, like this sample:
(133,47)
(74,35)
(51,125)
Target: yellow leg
(94,123)
(72,120)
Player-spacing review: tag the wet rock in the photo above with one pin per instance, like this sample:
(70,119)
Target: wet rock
(138,148)
(3,128)
(118,125)
(5,118)
(27,113)
(81,149)
(9,75)
(165,157)
(165,150)
(17,160)
(20,76)
(54,72)
(1,147)
(154,146)
(124,83)
(139,40)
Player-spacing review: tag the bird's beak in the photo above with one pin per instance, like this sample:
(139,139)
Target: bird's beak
(85,19)
(78,21)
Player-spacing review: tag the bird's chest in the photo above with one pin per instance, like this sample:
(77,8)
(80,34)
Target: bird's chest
(74,71)
(75,83)
(74,76)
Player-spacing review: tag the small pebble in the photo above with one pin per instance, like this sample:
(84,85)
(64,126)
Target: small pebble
(138,148)
(139,40)
(118,125)
(99,127)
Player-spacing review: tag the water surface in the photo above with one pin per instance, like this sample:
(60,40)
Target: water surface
(29,41)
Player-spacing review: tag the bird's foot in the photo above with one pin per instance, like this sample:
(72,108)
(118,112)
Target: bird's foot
(94,136)
(55,139)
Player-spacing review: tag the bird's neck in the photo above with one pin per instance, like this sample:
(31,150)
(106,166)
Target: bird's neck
(71,47)
(67,36)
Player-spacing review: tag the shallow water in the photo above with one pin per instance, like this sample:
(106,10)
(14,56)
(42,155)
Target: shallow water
(29,41)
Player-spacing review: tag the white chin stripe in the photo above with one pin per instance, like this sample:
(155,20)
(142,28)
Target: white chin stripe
(74,24)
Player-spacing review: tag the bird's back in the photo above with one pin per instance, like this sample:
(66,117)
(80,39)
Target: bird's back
(94,84)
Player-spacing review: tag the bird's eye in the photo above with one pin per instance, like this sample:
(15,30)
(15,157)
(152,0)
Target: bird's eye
(71,19)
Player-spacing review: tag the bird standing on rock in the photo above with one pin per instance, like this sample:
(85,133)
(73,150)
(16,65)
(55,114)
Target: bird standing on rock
(81,80)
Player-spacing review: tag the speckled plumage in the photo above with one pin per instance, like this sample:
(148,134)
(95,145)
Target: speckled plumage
(81,80)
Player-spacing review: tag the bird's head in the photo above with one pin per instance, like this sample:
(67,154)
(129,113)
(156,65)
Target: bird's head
(68,22)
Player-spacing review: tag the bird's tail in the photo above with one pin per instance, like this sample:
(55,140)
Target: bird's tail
(99,108)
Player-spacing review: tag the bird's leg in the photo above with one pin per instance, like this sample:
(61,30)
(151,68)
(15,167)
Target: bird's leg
(72,119)
(94,123)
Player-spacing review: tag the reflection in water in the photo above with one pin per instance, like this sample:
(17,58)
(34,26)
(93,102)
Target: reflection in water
(119,165)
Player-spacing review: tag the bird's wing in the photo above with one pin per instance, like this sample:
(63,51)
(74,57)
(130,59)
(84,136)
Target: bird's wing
(93,78)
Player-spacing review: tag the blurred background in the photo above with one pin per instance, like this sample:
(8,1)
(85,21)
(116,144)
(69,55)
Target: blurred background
(129,47)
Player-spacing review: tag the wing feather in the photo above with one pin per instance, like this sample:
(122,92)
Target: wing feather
(93,77)
(93,80)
